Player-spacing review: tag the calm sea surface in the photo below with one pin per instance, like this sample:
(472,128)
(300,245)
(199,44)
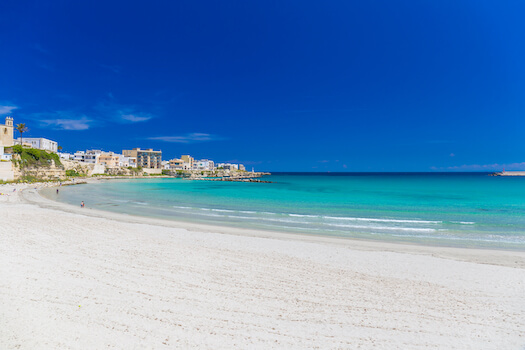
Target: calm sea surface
(446,209)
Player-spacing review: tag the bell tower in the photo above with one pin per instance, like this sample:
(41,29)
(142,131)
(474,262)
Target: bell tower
(7,133)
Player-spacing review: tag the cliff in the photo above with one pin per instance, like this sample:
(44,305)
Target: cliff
(32,164)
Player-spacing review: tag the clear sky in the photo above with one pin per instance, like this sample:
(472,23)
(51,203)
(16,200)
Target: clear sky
(278,85)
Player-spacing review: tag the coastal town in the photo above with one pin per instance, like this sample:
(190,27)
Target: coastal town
(93,162)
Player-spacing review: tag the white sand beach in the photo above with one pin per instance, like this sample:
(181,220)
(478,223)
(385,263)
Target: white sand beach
(74,278)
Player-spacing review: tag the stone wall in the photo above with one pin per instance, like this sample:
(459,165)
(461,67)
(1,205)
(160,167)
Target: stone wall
(80,167)
(152,171)
(6,171)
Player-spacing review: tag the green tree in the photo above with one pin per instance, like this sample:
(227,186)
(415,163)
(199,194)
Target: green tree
(22,128)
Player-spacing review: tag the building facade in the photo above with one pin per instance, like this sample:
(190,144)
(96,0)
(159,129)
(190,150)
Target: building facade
(6,134)
(92,156)
(79,156)
(39,143)
(203,164)
(145,158)
(110,159)
(6,138)
(177,164)
(228,166)
(188,161)
(66,155)
(89,156)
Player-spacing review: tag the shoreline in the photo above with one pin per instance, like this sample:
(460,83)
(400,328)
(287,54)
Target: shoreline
(84,278)
(428,248)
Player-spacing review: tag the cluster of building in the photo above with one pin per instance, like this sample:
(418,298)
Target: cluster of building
(144,158)
(187,162)
(147,159)
(136,157)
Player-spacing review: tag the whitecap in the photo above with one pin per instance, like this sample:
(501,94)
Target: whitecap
(381,220)
(414,229)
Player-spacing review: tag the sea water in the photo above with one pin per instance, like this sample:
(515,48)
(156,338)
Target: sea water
(453,209)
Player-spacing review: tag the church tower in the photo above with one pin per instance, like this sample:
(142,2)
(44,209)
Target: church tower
(7,133)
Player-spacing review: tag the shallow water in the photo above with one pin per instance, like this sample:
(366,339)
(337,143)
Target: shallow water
(446,209)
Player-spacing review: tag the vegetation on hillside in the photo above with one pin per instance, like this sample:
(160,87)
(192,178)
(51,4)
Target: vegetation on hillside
(135,170)
(32,157)
(72,172)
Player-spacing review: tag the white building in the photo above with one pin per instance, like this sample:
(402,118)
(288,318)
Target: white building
(132,161)
(127,161)
(203,164)
(108,158)
(65,155)
(92,156)
(79,156)
(228,166)
(89,156)
(40,143)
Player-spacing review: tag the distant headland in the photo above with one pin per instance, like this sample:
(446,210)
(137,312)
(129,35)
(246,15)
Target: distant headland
(509,173)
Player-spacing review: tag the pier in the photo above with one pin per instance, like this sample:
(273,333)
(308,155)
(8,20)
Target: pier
(509,173)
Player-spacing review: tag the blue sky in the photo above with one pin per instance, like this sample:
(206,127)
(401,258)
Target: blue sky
(277,85)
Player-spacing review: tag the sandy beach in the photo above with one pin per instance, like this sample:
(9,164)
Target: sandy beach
(73,278)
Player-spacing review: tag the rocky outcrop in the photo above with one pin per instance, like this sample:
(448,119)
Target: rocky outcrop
(83,169)
(120,171)
(39,173)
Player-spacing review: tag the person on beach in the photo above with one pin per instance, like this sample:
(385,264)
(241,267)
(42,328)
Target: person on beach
(82,204)
(57,190)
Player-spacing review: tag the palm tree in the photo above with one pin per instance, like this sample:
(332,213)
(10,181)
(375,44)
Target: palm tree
(22,128)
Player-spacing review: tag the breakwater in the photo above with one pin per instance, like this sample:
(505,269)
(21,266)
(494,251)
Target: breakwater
(509,173)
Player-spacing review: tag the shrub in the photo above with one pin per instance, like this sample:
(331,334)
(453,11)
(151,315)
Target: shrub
(136,170)
(72,172)
(30,157)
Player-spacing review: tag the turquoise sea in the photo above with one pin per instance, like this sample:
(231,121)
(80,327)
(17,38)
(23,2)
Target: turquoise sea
(452,209)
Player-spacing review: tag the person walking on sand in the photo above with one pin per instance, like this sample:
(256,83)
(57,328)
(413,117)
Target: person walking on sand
(82,204)
(57,190)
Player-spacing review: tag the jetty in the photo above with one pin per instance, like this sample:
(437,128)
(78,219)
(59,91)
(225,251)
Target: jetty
(235,177)
(509,173)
